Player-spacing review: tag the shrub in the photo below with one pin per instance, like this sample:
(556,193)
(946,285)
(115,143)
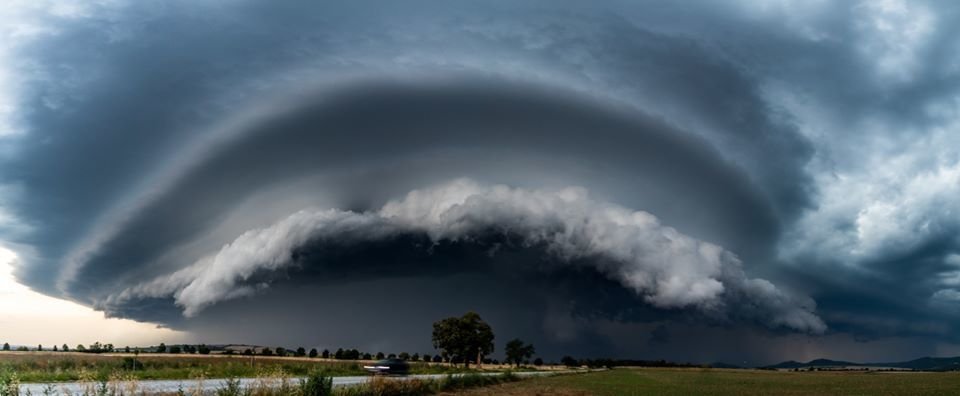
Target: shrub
(230,387)
(316,384)
(131,364)
(9,384)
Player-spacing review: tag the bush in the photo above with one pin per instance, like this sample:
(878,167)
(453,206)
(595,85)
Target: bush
(316,384)
(9,384)
(231,387)
(131,364)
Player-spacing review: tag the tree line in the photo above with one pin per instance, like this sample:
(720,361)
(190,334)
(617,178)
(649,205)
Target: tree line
(460,340)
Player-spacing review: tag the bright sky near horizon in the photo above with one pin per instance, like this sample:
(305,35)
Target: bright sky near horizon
(30,318)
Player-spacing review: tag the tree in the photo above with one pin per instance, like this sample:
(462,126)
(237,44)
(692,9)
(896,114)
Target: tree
(266,352)
(427,357)
(352,354)
(325,354)
(54,348)
(300,352)
(126,349)
(281,351)
(81,348)
(338,354)
(162,348)
(313,352)
(39,347)
(437,359)
(464,338)
(248,352)
(367,356)
(538,362)
(380,355)
(415,357)
(517,352)
(569,361)
(6,346)
(176,349)
(203,349)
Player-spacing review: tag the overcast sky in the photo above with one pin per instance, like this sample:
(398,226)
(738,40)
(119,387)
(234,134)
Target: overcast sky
(734,180)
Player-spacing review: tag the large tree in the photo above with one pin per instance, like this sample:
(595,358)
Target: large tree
(464,338)
(517,352)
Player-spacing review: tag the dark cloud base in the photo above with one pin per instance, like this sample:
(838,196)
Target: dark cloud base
(386,294)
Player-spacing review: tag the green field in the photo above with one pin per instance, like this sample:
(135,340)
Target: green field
(657,381)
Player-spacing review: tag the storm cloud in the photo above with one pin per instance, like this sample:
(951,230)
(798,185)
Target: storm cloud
(638,174)
(668,269)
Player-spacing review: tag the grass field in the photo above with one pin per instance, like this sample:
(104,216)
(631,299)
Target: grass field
(657,381)
(58,367)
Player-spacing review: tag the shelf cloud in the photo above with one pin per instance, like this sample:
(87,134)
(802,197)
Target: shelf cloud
(670,270)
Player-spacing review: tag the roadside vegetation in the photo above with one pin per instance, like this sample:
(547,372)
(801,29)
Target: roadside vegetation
(380,386)
(278,383)
(49,367)
(62,367)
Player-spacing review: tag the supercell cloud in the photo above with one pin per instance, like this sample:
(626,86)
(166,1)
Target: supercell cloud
(669,269)
(638,179)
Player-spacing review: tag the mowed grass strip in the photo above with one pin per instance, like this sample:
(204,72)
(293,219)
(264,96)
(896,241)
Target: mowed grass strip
(660,381)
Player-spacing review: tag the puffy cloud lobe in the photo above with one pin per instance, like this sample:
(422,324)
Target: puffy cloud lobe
(670,270)
(901,204)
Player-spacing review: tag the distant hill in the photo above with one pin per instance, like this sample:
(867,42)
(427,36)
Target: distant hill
(791,364)
(925,364)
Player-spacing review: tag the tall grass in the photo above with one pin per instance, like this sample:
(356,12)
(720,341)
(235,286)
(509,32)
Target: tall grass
(319,384)
(274,383)
(74,367)
(465,381)
(9,384)
(379,386)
